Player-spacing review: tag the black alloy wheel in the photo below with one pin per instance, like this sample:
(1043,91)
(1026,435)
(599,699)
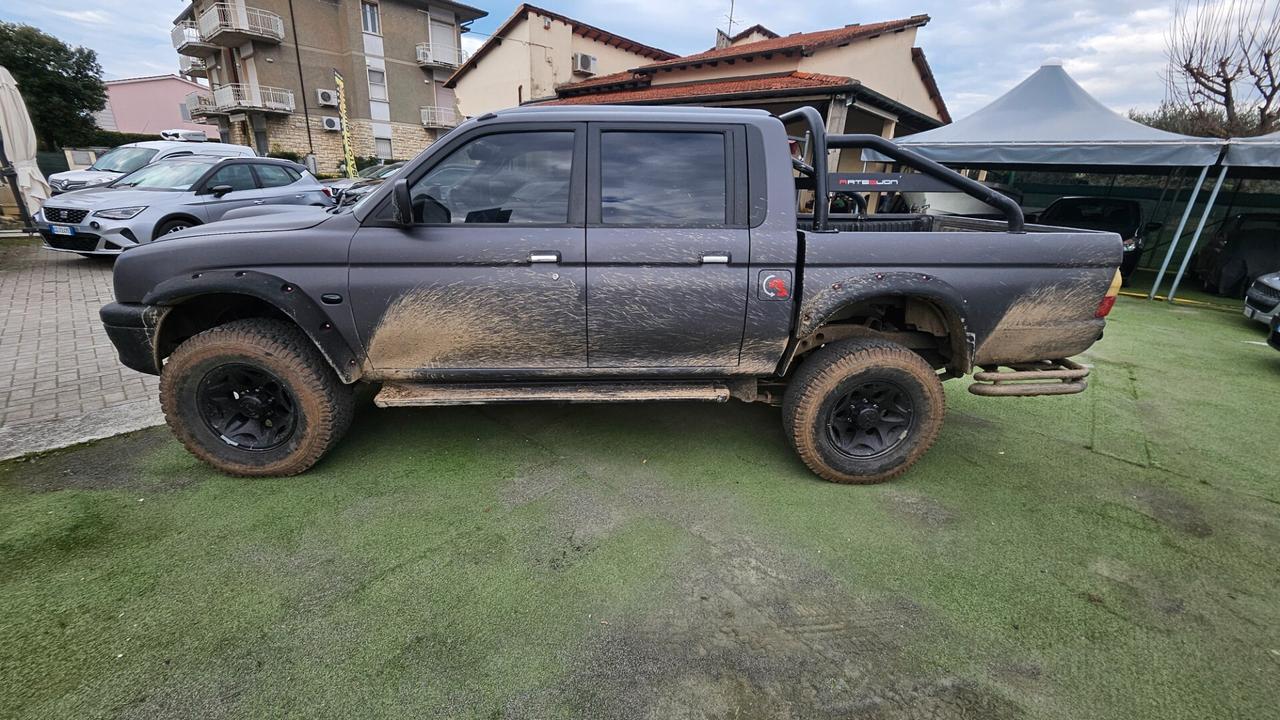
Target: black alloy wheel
(870,420)
(247,407)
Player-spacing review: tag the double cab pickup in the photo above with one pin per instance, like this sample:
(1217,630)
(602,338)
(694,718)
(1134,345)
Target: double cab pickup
(574,254)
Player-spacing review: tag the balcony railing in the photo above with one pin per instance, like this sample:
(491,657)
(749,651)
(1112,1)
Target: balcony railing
(440,55)
(439,117)
(199,103)
(187,40)
(240,23)
(247,97)
(192,66)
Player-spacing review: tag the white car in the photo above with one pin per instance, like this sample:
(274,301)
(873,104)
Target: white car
(127,158)
(1262,301)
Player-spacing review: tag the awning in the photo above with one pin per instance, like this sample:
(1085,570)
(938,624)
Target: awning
(1263,151)
(20,143)
(1048,120)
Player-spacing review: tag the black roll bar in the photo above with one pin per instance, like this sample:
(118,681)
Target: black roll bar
(821,181)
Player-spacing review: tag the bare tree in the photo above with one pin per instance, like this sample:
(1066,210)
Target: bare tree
(1224,58)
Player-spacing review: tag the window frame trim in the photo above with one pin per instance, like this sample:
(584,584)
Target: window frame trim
(736,175)
(382,215)
(377,16)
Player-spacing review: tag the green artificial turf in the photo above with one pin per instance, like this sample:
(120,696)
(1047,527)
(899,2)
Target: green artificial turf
(1106,555)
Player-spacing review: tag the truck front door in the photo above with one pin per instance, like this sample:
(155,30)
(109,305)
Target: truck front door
(491,274)
(667,245)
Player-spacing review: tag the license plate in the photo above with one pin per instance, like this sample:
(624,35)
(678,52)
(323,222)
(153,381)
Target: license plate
(62,230)
(1248,312)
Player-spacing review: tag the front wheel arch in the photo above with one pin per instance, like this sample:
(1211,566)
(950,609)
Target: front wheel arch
(191,219)
(208,299)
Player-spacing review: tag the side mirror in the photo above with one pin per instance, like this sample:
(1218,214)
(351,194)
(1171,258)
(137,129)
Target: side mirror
(220,190)
(403,202)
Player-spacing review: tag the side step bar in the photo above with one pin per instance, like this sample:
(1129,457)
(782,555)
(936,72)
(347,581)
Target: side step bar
(1046,377)
(436,394)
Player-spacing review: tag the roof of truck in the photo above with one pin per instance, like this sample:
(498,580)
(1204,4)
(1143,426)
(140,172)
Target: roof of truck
(625,112)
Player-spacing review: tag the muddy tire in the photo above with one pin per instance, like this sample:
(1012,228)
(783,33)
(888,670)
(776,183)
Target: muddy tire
(863,411)
(254,398)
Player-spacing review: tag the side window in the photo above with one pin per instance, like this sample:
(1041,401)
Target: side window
(238,176)
(523,177)
(275,176)
(663,178)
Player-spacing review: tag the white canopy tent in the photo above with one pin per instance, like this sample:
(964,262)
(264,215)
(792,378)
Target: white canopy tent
(1255,152)
(1048,122)
(18,149)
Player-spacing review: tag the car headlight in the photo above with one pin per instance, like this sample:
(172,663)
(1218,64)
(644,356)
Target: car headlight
(125,213)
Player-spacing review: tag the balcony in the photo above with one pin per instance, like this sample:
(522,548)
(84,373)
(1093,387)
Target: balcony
(439,55)
(187,40)
(192,66)
(231,24)
(439,117)
(239,97)
(200,104)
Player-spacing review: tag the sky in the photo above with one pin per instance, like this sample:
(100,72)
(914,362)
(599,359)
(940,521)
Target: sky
(978,50)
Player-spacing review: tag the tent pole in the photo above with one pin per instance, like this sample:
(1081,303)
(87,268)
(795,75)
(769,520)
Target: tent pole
(1177,234)
(10,175)
(1204,217)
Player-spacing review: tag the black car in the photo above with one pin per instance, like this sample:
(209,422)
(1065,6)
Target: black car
(1246,247)
(1117,215)
(1274,338)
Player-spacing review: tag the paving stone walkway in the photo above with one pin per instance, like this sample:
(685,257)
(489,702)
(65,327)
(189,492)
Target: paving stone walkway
(60,380)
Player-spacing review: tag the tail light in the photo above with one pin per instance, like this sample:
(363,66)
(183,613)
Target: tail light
(328,191)
(1109,300)
(1130,244)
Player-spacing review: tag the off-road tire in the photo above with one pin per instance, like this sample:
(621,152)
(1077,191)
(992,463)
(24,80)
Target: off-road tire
(825,376)
(324,404)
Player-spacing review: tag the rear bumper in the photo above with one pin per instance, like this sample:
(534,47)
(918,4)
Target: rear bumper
(131,327)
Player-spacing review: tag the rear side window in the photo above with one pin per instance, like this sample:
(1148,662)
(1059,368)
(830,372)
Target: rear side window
(663,178)
(238,176)
(276,176)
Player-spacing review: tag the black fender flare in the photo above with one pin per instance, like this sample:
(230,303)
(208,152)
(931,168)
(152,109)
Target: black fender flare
(281,294)
(821,304)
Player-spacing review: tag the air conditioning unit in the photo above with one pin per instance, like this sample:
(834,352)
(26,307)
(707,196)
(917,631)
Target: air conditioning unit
(584,64)
(331,124)
(327,98)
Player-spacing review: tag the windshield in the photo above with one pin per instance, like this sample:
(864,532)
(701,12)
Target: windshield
(370,171)
(172,175)
(124,159)
(387,171)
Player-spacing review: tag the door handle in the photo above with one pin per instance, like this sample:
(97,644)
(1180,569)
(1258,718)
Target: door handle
(259,202)
(544,257)
(717,258)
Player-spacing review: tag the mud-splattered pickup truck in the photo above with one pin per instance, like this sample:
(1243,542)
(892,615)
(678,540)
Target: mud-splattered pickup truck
(612,254)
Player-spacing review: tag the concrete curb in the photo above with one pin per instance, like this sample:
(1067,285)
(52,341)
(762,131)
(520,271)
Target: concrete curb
(45,435)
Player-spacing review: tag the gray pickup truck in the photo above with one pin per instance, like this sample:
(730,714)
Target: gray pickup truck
(612,254)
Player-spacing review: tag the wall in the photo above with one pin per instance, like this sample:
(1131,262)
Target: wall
(498,80)
(883,64)
(151,105)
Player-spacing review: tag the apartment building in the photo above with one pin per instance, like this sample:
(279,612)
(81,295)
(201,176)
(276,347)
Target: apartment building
(270,66)
(535,51)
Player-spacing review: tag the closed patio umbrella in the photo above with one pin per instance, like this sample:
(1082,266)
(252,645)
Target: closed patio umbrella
(18,148)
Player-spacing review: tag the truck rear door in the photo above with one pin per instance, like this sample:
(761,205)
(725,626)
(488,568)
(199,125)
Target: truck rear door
(667,245)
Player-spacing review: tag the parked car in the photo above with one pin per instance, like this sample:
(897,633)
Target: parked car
(1245,247)
(1262,301)
(125,159)
(1117,215)
(666,264)
(359,188)
(1274,338)
(338,185)
(168,196)
(952,203)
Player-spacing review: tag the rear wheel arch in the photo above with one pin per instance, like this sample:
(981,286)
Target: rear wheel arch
(920,312)
(203,301)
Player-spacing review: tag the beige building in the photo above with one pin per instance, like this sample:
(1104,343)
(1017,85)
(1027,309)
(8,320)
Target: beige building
(534,52)
(863,78)
(271,65)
